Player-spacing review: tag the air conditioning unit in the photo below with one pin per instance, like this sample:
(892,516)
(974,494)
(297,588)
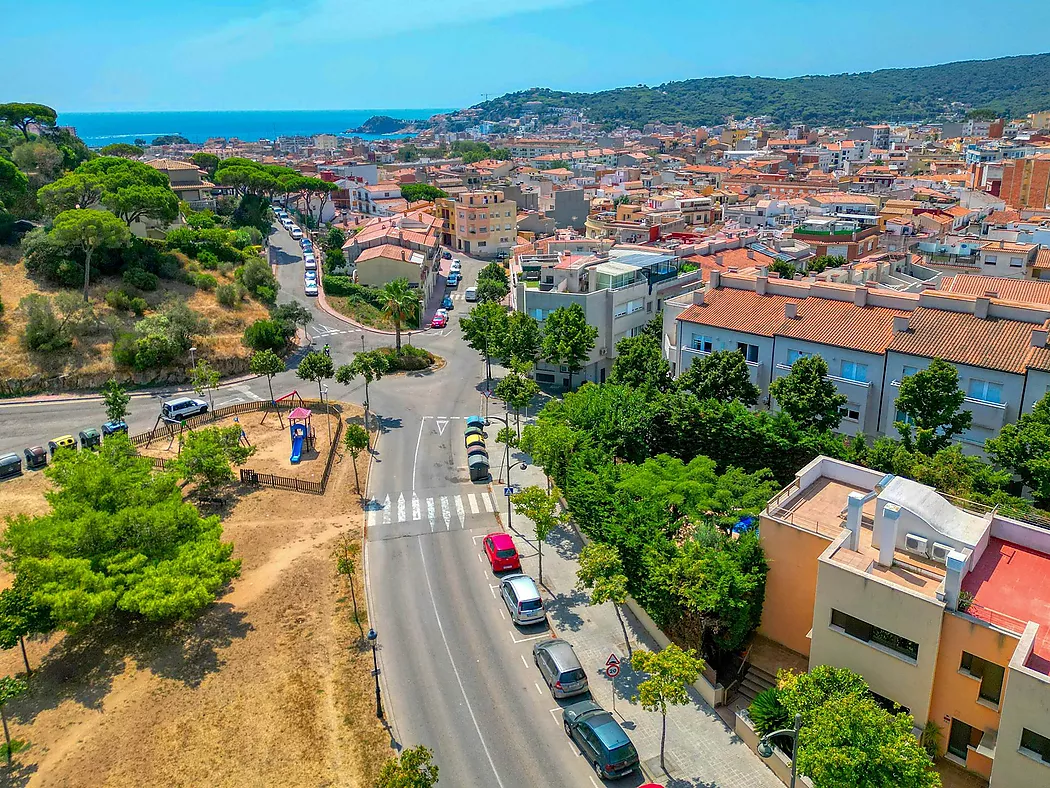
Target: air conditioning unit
(914,543)
(939,552)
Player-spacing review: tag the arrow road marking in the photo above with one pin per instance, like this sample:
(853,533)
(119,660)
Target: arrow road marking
(430,513)
(473,501)
(401,508)
(446,512)
(461,512)
(386,510)
(416,513)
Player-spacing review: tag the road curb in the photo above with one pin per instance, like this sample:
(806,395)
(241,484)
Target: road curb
(322,302)
(47,399)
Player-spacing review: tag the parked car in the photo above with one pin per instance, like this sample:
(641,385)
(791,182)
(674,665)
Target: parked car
(456,266)
(501,552)
(310,278)
(600,738)
(446,302)
(311,288)
(560,668)
(454,279)
(36,457)
(61,442)
(296,233)
(471,294)
(113,427)
(522,598)
(309,258)
(182,408)
(440,320)
(311,264)
(446,255)
(10,465)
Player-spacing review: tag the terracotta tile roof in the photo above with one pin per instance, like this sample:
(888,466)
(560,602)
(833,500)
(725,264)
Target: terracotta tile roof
(388,251)
(1003,217)
(1026,291)
(962,338)
(1039,358)
(1042,259)
(740,310)
(842,324)
(171,164)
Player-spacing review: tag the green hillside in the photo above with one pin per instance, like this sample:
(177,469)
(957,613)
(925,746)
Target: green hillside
(1012,86)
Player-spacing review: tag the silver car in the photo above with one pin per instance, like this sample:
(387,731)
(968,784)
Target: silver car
(560,668)
(522,598)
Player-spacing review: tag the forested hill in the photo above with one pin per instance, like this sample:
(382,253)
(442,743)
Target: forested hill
(1012,86)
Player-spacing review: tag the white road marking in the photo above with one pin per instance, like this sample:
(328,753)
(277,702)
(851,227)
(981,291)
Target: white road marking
(473,501)
(536,684)
(401,516)
(416,509)
(502,614)
(373,515)
(523,662)
(441,424)
(479,559)
(430,513)
(415,457)
(487,500)
(461,512)
(386,510)
(446,513)
(531,637)
(493,588)
(455,670)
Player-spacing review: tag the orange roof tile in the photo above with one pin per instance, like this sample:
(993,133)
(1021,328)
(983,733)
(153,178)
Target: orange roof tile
(739,310)
(1026,291)
(963,338)
(843,324)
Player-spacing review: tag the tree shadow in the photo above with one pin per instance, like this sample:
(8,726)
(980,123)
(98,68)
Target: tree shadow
(561,608)
(387,423)
(18,774)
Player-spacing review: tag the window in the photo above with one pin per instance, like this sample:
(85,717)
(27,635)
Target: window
(990,674)
(1035,744)
(990,259)
(850,414)
(795,355)
(961,736)
(985,391)
(869,633)
(1016,262)
(482,243)
(851,370)
(909,371)
(703,344)
(749,352)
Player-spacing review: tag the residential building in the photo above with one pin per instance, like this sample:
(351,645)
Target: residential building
(187,182)
(943,606)
(1026,183)
(387,248)
(838,237)
(380,199)
(479,223)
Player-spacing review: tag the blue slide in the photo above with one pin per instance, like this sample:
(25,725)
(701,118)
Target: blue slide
(298,435)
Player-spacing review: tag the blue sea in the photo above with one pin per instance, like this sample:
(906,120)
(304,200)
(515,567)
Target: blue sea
(102,128)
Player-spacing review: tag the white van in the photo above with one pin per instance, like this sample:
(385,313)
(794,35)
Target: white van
(471,294)
(182,408)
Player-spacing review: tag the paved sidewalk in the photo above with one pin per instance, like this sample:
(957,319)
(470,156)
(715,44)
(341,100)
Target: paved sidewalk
(702,752)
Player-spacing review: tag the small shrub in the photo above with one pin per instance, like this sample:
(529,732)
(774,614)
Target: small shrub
(767,712)
(266,335)
(411,358)
(141,278)
(205,282)
(229,295)
(208,260)
(266,294)
(226,269)
(124,350)
(118,300)
(44,332)
(138,306)
(168,267)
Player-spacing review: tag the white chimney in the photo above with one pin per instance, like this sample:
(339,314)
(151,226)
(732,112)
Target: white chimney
(698,296)
(980,307)
(760,284)
(791,310)
(854,507)
(900,324)
(886,532)
(719,258)
(956,568)
(860,296)
(715,278)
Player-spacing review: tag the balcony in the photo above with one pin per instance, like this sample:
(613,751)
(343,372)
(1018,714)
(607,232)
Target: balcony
(990,415)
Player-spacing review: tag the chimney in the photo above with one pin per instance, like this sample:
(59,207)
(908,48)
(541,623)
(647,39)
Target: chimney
(750,254)
(854,505)
(698,297)
(886,532)
(719,259)
(980,307)
(715,278)
(763,270)
(860,296)
(1039,337)
(900,324)
(760,284)
(791,310)
(956,568)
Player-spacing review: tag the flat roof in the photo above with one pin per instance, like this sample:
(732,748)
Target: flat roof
(1010,587)
(615,269)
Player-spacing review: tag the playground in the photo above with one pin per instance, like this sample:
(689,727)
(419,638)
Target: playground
(300,432)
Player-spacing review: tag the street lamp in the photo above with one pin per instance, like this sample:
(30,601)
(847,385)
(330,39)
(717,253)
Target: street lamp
(765,747)
(327,415)
(372,637)
(524,465)
(193,357)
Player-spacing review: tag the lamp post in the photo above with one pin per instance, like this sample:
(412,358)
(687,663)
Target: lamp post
(193,357)
(372,637)
(765,746)
(327,414)
(506,423)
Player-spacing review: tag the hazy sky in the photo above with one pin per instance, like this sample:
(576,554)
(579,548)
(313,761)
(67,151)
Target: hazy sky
(349,54)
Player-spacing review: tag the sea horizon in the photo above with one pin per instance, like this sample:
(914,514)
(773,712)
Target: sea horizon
(106,127)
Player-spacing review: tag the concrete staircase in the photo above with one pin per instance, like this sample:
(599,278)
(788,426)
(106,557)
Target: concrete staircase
(755,681)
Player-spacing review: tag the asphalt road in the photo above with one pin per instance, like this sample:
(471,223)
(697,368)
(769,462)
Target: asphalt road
(458,676)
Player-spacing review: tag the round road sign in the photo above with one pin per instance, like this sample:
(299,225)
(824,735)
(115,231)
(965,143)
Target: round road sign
(612,671)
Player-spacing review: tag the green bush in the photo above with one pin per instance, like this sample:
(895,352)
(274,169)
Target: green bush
(44,332)
(266,335)
(256,275)
(141,278)
(266,294)
(226,269)
(139,306)
(344,286)
(205,282)
(119,300)
(229,295)
(208,260)
(411,358)
(767,712)
(124,349)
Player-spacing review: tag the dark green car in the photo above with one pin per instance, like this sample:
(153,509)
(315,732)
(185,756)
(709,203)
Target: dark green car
(601,739)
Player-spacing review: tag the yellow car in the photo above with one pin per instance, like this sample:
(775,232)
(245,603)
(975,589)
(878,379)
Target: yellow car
(62,442)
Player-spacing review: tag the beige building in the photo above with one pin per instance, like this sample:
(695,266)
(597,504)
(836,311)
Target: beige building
(479,223)
(187,182)
(387,248)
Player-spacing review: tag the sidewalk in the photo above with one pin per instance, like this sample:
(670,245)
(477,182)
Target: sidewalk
(701,751)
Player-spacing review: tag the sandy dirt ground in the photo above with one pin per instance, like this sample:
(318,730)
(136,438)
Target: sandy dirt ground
(272,442)
(271,686)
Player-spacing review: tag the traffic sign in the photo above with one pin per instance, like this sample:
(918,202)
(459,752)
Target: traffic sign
(612,671)
(509,491)
(612,660)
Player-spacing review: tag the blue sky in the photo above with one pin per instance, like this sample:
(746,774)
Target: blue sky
(350,54)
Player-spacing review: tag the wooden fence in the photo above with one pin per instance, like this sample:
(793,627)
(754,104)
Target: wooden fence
(248,476)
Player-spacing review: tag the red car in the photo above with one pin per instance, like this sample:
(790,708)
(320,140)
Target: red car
(501,552)
(439,321)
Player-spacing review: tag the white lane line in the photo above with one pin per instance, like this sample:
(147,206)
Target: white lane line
(446,513)
(536,684)
(430,513)
(531,637)
(479,559)
(473,501)
(502,614)
(493,588)
(455,670)
(594,782)
(373,515)
(461,512)
(417,513)
(386,510)
(485,499)
(415,457)
(401,515)
(523,662)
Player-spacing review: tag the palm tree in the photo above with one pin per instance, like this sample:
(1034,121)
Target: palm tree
(400,303)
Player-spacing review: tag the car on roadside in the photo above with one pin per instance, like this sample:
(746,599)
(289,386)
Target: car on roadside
(522,598)
(446,302)
(500,550)
(440,320)
(182,408)
(454,279)
(310,265)
(309,258)
(446,255)
(560,668)
(296,233)
(456,266)
(310,277)
(470,294)
(605,745)
(113,427)
(311,288)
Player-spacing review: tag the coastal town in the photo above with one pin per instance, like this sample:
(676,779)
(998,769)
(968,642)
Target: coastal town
(529,445)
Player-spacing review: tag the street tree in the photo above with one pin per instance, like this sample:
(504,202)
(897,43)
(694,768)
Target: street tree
(123,149)
(208,162)
(292,314)
(322,191)
(568,339)
(75,190)
(356,441)
(139,201)
(551,446)
(492,283)
(1024,449)
(485,330)
(316,367)
(601,572)
(21,616)
(116,400)
(413,768)
(268,363)
(370,365)
(205,380)
(932,401)
(541,507)
(640,363)
(400,304)
(723,376)
(523,339)
(345,553)
(88,230)
(517,391)
(207,457)
(10,688)
(808,396)
(669,673)
(22,115)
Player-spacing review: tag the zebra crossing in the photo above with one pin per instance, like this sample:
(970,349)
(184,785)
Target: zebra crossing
(442,512)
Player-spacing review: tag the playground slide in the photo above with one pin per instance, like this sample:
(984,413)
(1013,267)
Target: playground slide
(297,448)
